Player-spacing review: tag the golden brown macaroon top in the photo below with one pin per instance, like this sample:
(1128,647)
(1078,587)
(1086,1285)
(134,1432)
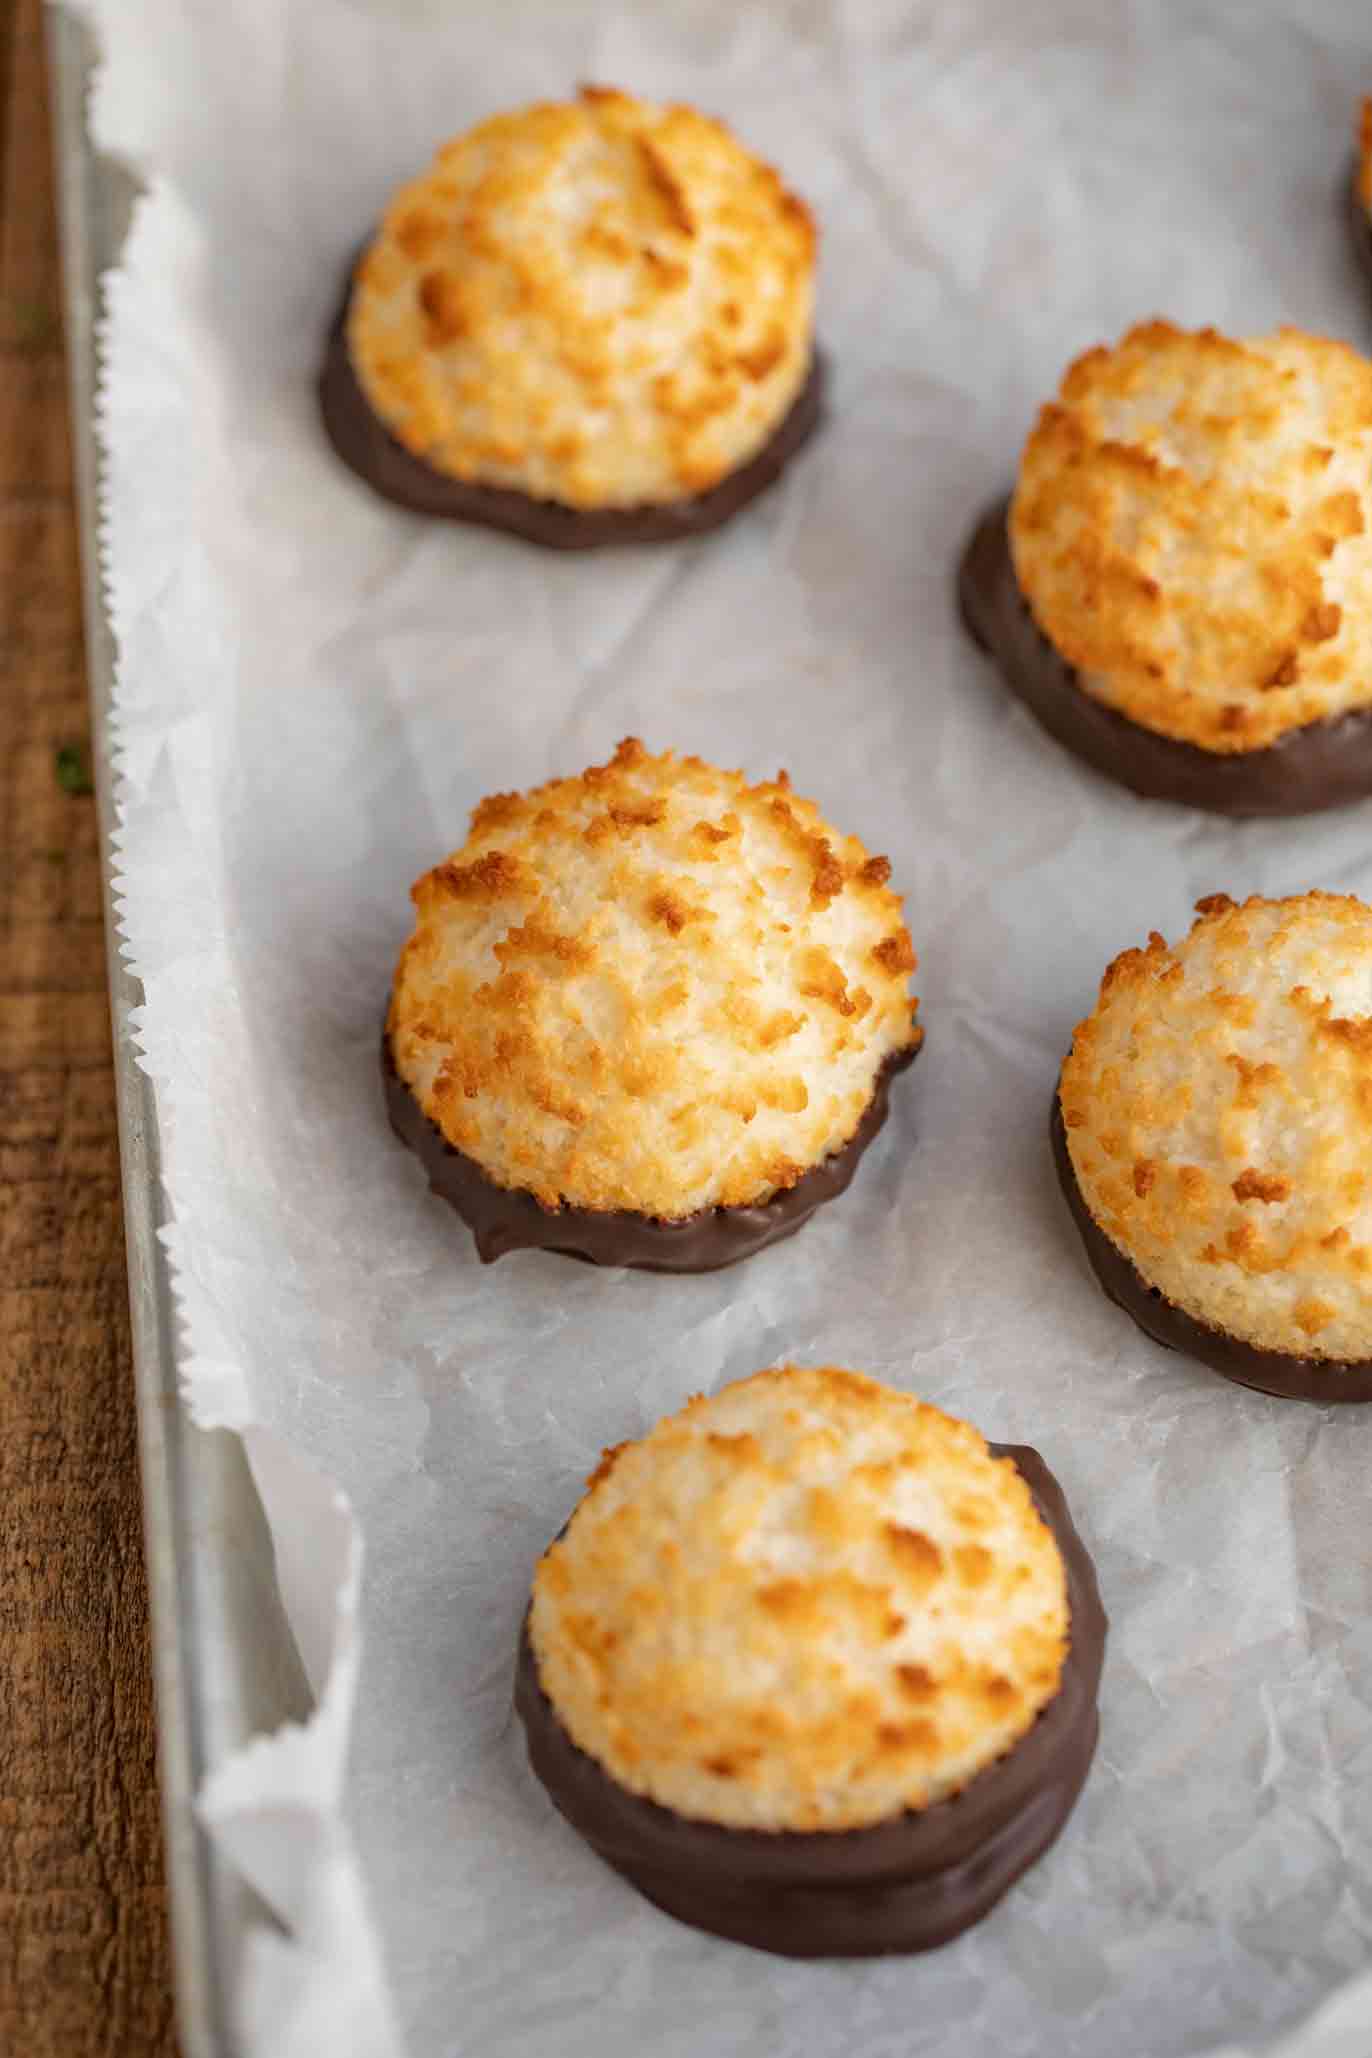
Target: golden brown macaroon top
(1192,530)
(807,1603)
(604,303)
(1218,1106)
(652,987)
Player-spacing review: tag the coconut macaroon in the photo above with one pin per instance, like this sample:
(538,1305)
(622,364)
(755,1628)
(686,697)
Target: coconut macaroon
(1215,1130)
(649,1014)
(598,313)
(809,1602)
(788,1625)
(1184,595)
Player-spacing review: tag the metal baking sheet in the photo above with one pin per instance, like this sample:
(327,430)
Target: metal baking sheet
(225,1664)
(224,1659)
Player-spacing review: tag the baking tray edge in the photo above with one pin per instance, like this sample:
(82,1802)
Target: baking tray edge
(225,1665)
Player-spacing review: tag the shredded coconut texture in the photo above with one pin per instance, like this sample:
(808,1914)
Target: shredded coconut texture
(606,303)
(652,987)
(1192,530)
(808,1603)
(1218,1107)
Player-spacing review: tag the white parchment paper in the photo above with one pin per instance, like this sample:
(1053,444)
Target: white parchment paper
(314,689)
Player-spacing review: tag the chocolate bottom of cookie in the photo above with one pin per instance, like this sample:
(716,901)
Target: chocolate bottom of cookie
(1276,1372)
(1360,223)
(507,1218)
(1322,765)
(906,1884)
(368,448)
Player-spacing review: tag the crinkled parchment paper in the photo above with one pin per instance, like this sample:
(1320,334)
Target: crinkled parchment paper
(314,688)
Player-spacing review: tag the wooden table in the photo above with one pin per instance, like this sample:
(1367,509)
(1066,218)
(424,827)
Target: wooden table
(83,1945)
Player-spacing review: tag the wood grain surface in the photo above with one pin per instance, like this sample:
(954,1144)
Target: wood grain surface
(84,1964)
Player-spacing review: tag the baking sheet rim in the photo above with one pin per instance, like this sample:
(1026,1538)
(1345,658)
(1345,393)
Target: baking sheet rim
(218,1680)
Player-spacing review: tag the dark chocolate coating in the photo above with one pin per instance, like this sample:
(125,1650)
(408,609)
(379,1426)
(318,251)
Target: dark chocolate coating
(368,448)
(906,1884)
(508,1218)
(1276,1372)
(1360,224)
(1322,765)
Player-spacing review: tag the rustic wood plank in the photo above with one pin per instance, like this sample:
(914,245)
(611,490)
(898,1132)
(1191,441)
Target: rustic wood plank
(84,1970)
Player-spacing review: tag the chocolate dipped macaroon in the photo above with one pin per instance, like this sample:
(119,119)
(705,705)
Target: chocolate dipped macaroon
(586,323)
(648,1016)
(1180,588)
(815,1667)
(1213,1134)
